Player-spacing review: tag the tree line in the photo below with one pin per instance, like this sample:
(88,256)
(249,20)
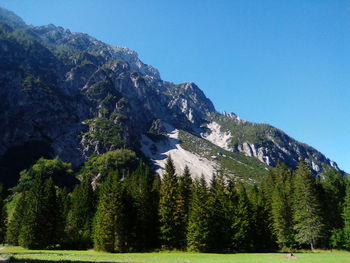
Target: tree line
(120,205)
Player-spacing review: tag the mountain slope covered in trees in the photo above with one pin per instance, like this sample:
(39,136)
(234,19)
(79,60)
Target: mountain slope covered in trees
(120,205)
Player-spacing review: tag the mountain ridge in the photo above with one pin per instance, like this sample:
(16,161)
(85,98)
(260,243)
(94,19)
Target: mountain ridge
(75,96)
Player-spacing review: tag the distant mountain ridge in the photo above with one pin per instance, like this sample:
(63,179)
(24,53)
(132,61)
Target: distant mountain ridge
(69,95)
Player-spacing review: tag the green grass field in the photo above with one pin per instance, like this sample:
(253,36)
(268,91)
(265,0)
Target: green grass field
(18,254)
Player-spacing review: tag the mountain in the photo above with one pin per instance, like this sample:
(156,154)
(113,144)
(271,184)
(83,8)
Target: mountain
(70,95)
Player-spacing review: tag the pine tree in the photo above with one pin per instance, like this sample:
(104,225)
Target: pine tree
(262,223)
(30,228)
(346,217)
(307,214)
(154,239)
(64,202)
(63,205)
(331,190)
(15,221)
(198,221)
(233,198)
(109,227)
(242,225)
(185,187)
(219,220)
(281,206)
(53,233)
(39,223)
(80,215)
(141,212)
(169,218)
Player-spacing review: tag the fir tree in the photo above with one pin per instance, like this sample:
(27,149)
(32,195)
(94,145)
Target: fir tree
(142,211)
(307,214)
(198,221)
(154,239)
(39,223)
(109,227)
(242,225)
(63,203)
(169,217)
(262,224)
(233,198)
(219,220)
(185,187)
(15,221)
(331,190)
(30,227)
(80,215)
(281,206)
(53,233)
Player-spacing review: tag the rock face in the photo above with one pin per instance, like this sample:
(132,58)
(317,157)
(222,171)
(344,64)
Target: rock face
(262,141)
(218,137)
(159,150)
(72,95)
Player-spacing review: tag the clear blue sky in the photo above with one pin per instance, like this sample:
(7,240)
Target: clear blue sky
(281,62)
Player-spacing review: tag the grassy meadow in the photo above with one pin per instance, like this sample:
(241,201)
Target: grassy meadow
(18,254)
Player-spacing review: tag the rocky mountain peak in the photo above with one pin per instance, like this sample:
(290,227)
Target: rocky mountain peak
(65,39)
(133,58)
(11,18)
(72,95)
(233,116)
(188,100)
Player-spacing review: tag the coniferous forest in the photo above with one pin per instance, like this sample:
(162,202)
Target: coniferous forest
(118,204)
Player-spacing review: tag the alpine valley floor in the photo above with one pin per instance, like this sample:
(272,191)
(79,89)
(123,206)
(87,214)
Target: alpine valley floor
(18,254)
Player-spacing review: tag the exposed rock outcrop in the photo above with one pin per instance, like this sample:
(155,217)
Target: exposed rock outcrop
(263,142)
